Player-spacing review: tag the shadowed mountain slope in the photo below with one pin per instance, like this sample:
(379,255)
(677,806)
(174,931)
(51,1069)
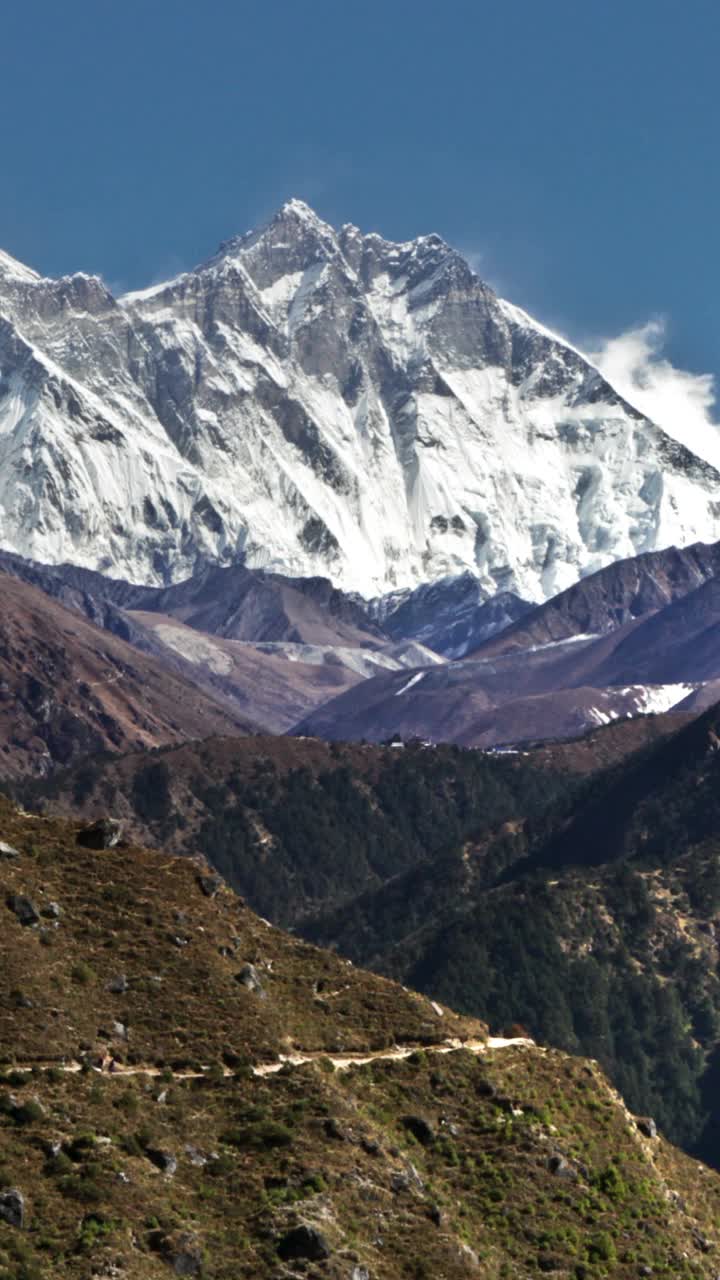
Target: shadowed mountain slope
(610,598)
(594,923)
(640,636)
(301,826)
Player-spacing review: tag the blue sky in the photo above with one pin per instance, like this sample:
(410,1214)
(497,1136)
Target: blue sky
(569,146)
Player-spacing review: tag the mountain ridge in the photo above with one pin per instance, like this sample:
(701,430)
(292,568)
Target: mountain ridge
(322,402)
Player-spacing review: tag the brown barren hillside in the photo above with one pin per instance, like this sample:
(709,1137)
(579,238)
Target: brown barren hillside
(275,689)
(68,689)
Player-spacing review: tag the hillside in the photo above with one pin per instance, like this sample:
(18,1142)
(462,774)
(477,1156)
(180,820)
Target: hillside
(610,598)
(607,745)
(559,691)
(287,654)
(640,636)
(443,883)
(266,648)
(300,826)
(69,689)
(594,924)
(191,1157)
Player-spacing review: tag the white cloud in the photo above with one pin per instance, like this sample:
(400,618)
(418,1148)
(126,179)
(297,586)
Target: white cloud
(680,402)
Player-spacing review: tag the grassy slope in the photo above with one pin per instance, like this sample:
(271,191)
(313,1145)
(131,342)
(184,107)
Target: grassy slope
(475,1196)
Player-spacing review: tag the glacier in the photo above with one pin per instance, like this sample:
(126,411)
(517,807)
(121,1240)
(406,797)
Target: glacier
(316,401)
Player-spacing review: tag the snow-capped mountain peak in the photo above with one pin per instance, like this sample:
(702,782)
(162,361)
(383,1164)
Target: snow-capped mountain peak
(11,269)
(323,402)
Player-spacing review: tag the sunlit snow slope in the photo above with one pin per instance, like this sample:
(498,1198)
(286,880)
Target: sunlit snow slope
(324,402)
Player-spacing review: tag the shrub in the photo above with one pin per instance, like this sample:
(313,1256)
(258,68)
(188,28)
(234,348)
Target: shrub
(29,1112)
(83,1187)
(82,974)
(601,1248)
(266,1134)
(92,1228)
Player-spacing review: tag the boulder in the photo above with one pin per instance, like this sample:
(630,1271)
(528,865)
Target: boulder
(8,851)
(370,1146)
(24,909)
(647,1126)
(701,1241)
(303,1242)
(406,1180)
(103,834)
(420,1128)
(561,1167)
(12,1208)
(118,985)
(334,1130)
(210,885)
(180,1249)
(468,1255)
(249,978)
(195,1156)
(166,1162)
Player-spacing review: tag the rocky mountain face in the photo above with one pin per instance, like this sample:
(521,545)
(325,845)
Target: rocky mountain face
(372,1131)
(452,616)
(233,603)
(242,604)
(324,403)
(609,599)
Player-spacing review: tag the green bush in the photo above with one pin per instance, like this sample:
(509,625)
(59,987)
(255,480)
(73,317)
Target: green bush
(81,974)
(601,1248)
(264,1134)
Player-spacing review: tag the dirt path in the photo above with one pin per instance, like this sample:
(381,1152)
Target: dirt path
(340,1061)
